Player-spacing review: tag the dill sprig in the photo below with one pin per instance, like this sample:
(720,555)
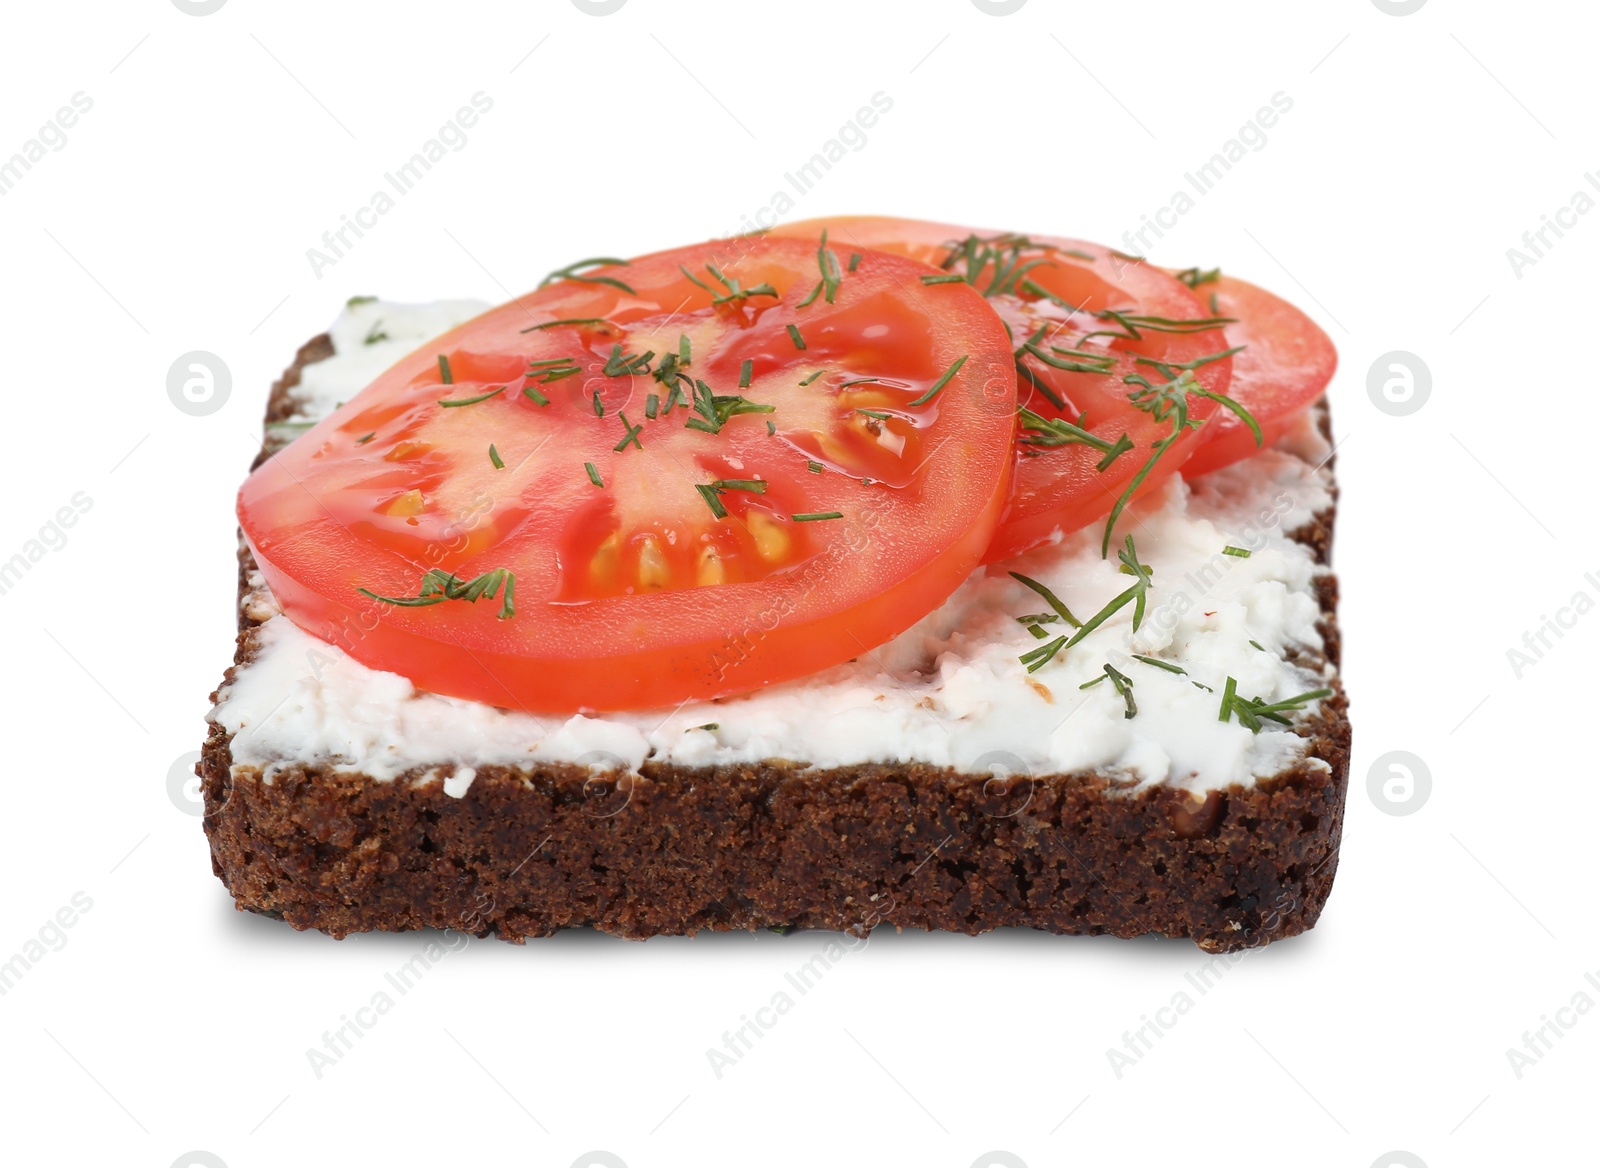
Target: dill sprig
(734,290)
(1132,322)
(944,379)
(575,321)
(1003,256)
(1252,711)
(1050,598)
(1168,402)
(1038,430)
(620,364)
(632,435)
(1194,277)
(669,370)
(1069,360)
(1136,594)
(439,586)
(571,272)
(1121,682)
(470,401)
(828,265)
(713,410)
(712,492)
(552,369)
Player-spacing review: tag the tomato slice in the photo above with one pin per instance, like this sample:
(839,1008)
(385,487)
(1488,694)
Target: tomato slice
(678,478)
(1095,333)
(1284,363)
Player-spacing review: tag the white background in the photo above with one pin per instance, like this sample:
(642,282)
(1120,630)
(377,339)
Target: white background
(177,217)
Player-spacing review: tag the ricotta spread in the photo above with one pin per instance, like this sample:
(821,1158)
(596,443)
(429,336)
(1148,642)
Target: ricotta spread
(950,691)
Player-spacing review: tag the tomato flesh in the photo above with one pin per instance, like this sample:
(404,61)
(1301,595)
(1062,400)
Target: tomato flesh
(696,485)
(1073,291)
(1285,364)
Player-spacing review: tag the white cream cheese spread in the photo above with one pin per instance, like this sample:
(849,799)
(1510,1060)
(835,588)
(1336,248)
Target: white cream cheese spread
(950,691)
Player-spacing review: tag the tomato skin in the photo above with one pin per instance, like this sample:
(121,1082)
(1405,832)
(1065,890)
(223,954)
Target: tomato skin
(329,516)
(1286,364)
(1060,490)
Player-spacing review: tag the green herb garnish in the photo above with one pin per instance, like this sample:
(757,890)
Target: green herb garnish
(552,369)
(494,457)
(1194,277)
(713,410)
(1121,683)
(1050,598)
(1251,711)
(944,378)
(828,265)
(1168,401)
(713,500)
(1038,430)
(570,272)
(594,475)
(1132,322)
(632,435)
(469,401)
(439,586)
(575,321)
(735,291)
(1003,253)
(1136,594)
(711,492)
(620,364)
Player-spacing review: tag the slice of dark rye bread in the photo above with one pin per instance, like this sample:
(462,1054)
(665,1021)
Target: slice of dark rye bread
(676,849)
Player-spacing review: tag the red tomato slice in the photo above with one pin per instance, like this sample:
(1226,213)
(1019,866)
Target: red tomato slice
(671,479)
(1285,364)
(1113,329)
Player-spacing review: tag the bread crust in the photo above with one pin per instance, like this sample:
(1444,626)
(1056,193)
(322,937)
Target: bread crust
(674,850)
